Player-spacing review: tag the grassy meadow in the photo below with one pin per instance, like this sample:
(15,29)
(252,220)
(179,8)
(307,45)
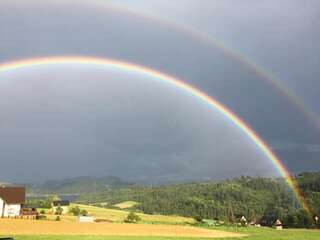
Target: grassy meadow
(119,215)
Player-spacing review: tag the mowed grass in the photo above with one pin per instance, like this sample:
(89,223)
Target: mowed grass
(120,215)
(265,233)
(254,234)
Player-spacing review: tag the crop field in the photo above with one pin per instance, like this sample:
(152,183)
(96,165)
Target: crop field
(251,234)
(36,227)
(51,230)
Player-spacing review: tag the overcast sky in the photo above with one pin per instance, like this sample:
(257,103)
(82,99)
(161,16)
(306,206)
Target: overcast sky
(65,121)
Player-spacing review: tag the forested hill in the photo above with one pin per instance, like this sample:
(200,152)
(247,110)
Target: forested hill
(262,199)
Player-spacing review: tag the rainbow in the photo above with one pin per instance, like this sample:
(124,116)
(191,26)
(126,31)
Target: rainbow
(156,75)
(232,53)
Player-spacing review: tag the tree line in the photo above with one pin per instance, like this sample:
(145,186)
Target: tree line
(262,200)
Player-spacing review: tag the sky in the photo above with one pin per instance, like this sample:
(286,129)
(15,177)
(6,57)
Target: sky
(83,120)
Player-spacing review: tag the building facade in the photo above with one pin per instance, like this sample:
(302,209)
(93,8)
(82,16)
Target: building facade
(11,199)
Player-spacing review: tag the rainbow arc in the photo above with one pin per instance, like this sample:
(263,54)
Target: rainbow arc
(179,84)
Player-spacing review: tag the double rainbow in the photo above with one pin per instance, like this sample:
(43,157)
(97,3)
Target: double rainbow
(156,75)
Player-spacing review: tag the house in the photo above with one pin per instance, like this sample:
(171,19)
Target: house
(11,199)
(29,211)
(64,204)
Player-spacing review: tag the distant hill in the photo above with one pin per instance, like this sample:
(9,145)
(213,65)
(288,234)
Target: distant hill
(77,185)
(261,199)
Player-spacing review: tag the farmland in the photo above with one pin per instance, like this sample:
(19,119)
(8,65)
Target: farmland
(119,215)
(34,227)
(152,227)
(50,230)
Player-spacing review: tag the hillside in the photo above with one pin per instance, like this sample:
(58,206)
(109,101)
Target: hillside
(261,199)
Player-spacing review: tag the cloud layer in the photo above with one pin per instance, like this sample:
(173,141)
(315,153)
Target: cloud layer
(104,122)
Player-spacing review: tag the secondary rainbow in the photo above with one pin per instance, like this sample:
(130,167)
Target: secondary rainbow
(212,41)
(156,75)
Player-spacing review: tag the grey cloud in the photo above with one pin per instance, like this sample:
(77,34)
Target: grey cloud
(84,122)
(153,130)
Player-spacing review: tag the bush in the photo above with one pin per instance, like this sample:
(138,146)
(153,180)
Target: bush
(41,217)
(198,218)
(42,211)
(58,218)
(59,210)
(76,211)
(84,212)
(132,218)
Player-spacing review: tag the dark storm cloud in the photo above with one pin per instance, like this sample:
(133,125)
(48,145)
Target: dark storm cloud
(280,36)
(97,122)
(286,44)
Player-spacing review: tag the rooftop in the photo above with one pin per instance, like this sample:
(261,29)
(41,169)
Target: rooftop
(13,195)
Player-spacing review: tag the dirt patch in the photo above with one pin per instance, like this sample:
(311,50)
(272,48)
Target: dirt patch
(34,227)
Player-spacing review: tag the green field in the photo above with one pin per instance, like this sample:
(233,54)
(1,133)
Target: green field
(255,234)
(119,215)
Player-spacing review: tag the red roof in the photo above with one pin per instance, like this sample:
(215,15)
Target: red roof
(13,195)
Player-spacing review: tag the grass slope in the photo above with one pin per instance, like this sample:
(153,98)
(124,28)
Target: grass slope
(120,215)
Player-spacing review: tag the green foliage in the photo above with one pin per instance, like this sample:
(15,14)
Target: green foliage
(198,219)
(42,203)
(132,218)
(59,210)
(76,211)
(84,212)
(262,200)
(57,218)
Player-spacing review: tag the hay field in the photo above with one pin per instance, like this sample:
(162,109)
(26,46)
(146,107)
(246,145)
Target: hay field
(36,227)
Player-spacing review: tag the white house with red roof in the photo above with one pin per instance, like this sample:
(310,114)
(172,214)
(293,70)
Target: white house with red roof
(11,200)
